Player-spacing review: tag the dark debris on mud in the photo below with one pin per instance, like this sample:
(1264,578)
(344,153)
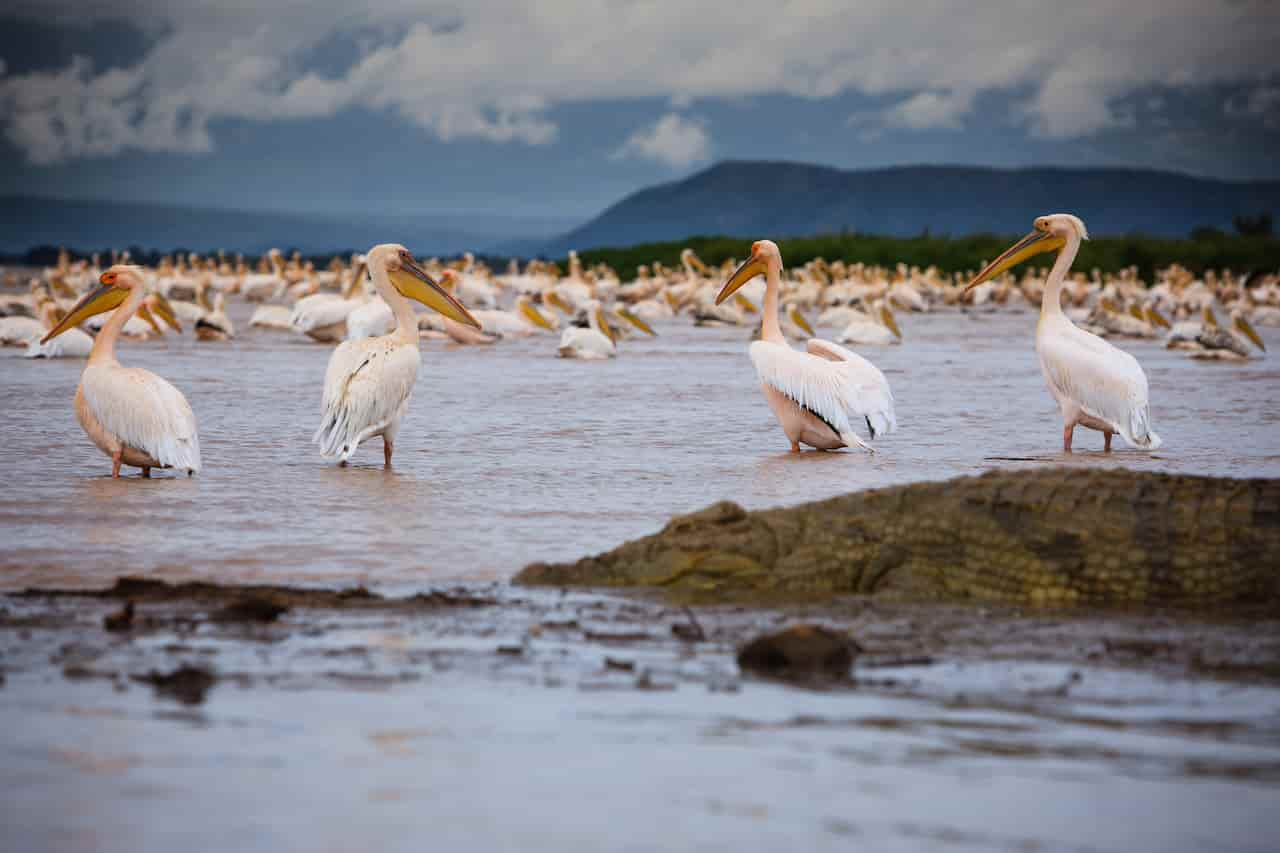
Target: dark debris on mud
(183,638)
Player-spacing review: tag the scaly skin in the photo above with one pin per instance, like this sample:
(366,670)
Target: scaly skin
(1055,537)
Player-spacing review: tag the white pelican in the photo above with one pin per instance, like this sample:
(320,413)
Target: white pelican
(1214,343)
(1097,386)
(132,415)
(817,394)
(73,343)
(368,382)
(323,316)
(879,328)
(215,325)
(591,337)
(630,320)
(19,331)
(371,319)
(272,317)
(521,321)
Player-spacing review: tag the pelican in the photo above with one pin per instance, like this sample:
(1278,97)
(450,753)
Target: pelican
(590,337)
(272,317)
(522,320)
(1215,343)
(879,328)
(73,343)
(132,415)
(631,320)
(18,331)
(1097,386)
(368,382)
(215,325)
(323,316)
(818,393)
(371,319)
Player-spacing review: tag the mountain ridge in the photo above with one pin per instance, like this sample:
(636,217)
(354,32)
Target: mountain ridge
(771,198)
(28,221)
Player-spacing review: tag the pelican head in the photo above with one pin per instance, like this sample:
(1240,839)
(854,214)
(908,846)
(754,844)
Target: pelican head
(763,253)
(114,287)
(592,316)
(638,322)
(888,320)
(1244,327)
(412,282)
(1050,234)
(155,305)
(691,260)
(526,309)
(795,316)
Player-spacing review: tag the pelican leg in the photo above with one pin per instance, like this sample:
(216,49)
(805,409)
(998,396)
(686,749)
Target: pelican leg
(387,447)
(1106,437)
(795,447)
(115,464)
(1067,431)
(146,472)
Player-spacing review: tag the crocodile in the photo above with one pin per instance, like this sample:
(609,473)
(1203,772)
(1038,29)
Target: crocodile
(1058,536)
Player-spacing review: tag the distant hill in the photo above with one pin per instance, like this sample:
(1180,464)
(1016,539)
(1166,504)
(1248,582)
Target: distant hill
(763,199)
(26,222)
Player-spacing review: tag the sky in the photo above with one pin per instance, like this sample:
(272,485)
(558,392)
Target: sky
(557,109)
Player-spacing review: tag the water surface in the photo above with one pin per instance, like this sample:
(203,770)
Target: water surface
(511,455)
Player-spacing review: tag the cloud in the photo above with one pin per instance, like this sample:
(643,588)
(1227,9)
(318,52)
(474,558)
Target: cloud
(672,140)
(495,70)
(929,109)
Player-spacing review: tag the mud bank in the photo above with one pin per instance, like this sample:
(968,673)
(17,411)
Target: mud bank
(480,716)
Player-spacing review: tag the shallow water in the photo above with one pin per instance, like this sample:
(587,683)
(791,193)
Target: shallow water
(510,455)
(347,731)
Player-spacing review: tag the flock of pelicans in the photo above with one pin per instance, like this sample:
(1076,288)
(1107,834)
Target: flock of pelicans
(818,395)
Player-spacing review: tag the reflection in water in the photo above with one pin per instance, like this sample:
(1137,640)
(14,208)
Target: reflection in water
(519,456)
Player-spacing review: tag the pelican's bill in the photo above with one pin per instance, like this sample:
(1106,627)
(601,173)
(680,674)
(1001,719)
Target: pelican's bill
(104,298)
(750,268)
(1035,243)
(414,283)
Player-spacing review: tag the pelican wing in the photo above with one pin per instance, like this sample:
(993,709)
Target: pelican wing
(320,310)
(837,385)
(144,412)
(1106,382)
(370,320)
(366,387)
(577,342)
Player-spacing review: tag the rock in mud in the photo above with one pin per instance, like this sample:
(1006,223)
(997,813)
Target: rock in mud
(187,684)
(121,620)
(801,652)
(253,608)
(1053,537)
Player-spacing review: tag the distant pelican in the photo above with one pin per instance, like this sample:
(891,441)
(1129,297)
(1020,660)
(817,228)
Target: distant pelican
(72,343)
(591,336)
(879,328)
(817,394)
(521,321)
(1097,386)
(323,316)
(18,331)
(1214,343)
(369,381)
(215,325)
(132,415)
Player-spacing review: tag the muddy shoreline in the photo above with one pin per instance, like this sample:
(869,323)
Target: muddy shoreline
(478,714)
(110,632)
